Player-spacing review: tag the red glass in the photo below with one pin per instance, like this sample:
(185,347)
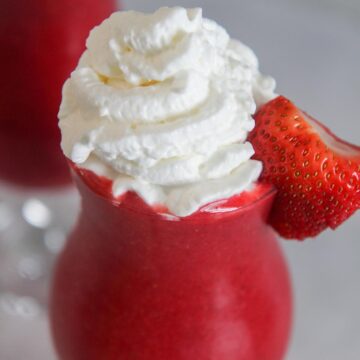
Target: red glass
(132,284)
(41,41)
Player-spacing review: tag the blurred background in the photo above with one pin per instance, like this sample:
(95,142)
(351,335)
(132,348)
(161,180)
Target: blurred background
(312,49)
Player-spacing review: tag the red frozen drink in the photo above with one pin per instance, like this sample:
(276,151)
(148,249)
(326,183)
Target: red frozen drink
(172,257)
(41,41)
(135,284)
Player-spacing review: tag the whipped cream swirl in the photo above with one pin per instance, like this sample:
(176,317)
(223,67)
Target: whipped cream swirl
(162,104)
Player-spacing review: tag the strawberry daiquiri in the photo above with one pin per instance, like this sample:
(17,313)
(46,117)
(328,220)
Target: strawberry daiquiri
(170,130)
(133,283)
(172,257)
(41,41)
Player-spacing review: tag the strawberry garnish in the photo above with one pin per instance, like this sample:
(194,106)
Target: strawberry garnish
(316,173)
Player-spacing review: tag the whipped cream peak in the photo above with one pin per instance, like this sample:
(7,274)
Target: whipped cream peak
(162,104)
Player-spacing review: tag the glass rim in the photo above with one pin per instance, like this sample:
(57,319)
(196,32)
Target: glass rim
(197,215)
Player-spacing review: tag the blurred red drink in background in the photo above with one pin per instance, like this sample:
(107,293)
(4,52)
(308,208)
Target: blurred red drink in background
(41,42)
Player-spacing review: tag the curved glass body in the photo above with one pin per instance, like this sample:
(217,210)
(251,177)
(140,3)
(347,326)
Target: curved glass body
(42,41)
(133,284)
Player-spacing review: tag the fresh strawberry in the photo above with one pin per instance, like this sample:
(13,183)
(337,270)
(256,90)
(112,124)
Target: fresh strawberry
(316,173)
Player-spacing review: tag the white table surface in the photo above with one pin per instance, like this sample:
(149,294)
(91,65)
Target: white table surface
(312,48)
